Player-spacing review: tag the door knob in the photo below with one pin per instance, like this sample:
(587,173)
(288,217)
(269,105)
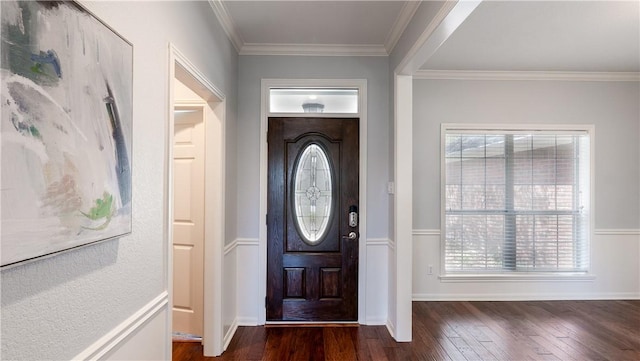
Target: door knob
(352,236)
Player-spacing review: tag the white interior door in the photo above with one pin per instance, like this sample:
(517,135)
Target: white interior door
(188,220)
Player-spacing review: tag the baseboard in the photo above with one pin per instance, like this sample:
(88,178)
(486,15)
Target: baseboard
(247,321)
(391,328)
(230,333)
(121,333)
(376,321)
(526,297)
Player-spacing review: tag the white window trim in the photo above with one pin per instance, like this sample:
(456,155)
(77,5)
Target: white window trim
(516,276)
(361,85)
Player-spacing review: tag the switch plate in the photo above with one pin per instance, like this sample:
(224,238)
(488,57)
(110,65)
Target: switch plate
(391,188)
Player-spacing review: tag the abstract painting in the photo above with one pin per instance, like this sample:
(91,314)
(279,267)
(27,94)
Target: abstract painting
(66,128)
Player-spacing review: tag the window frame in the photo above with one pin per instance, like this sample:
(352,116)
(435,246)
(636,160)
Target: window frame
(589,129)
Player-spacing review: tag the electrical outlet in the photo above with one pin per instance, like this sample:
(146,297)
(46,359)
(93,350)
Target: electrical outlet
(430,269)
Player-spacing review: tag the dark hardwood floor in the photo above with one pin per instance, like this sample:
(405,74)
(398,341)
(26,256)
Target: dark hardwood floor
(541,330)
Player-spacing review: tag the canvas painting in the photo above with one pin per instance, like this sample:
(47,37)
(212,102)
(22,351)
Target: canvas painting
(66,128)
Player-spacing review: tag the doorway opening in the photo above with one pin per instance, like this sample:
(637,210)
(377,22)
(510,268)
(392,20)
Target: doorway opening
(315,98)
(194,205)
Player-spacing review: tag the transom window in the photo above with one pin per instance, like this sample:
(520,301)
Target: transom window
(314,100)
(515,200)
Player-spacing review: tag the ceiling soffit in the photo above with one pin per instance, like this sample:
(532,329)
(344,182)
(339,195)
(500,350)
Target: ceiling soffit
(382,45)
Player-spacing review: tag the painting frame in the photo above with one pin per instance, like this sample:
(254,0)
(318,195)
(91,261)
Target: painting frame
(66,134)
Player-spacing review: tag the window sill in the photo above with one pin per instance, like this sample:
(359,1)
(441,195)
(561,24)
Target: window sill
(499,277)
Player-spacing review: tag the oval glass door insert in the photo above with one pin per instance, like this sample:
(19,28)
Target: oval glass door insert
(312,201)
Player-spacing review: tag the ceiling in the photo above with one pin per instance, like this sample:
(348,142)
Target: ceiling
(586,36)
(335,27)
(565,36)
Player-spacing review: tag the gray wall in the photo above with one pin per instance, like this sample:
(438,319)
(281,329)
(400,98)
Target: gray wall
(254,68)
(57,307)
(613,107)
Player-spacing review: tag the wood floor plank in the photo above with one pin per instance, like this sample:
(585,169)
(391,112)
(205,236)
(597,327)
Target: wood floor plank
(375,351)
(513,331)
(504,340)
(338,344)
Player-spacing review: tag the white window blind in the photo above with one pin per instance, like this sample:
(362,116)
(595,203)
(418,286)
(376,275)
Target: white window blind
(516,201)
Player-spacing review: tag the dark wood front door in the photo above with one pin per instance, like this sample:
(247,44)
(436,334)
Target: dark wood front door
(312,244)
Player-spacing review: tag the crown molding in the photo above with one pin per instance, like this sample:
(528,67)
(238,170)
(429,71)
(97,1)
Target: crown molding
(313,50)
(227,23)
(402,21)
(525,75)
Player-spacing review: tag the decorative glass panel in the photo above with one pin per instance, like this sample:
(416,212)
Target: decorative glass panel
(312,199)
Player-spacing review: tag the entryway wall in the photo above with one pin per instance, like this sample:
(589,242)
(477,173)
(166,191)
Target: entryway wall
(252,70)
(110,300)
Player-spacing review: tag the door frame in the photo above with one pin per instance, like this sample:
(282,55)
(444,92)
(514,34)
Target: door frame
(215,134)
(361,85)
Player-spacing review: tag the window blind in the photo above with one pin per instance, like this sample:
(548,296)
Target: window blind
(516,201)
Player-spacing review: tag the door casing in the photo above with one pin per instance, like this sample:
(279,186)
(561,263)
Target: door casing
(361,85)
(180,67)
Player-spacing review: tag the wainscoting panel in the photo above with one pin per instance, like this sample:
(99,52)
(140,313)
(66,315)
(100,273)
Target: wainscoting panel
(615,274)
(377,282)
(229,297)
(140,337)
(248,282)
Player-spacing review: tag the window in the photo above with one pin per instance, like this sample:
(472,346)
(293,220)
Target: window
(313,100)
(515,200)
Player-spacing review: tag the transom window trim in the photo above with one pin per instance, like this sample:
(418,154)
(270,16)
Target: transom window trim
(315,101)
(576,220)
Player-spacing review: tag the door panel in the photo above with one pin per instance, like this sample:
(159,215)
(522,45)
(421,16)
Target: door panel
(312,270)
(188,222)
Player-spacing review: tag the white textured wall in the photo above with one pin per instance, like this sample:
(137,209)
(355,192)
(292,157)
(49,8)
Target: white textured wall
(614,110)
(57,307)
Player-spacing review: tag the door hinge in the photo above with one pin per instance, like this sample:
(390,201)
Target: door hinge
(266,219)
(265,302)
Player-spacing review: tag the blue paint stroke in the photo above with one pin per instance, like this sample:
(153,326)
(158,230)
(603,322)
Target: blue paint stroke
(123,172)
(50,57)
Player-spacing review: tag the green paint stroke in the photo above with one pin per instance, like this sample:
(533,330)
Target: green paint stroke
(35,132)
(37,68)
(103,209)
(24,128)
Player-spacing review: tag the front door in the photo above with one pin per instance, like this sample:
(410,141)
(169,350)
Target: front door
(312,225)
